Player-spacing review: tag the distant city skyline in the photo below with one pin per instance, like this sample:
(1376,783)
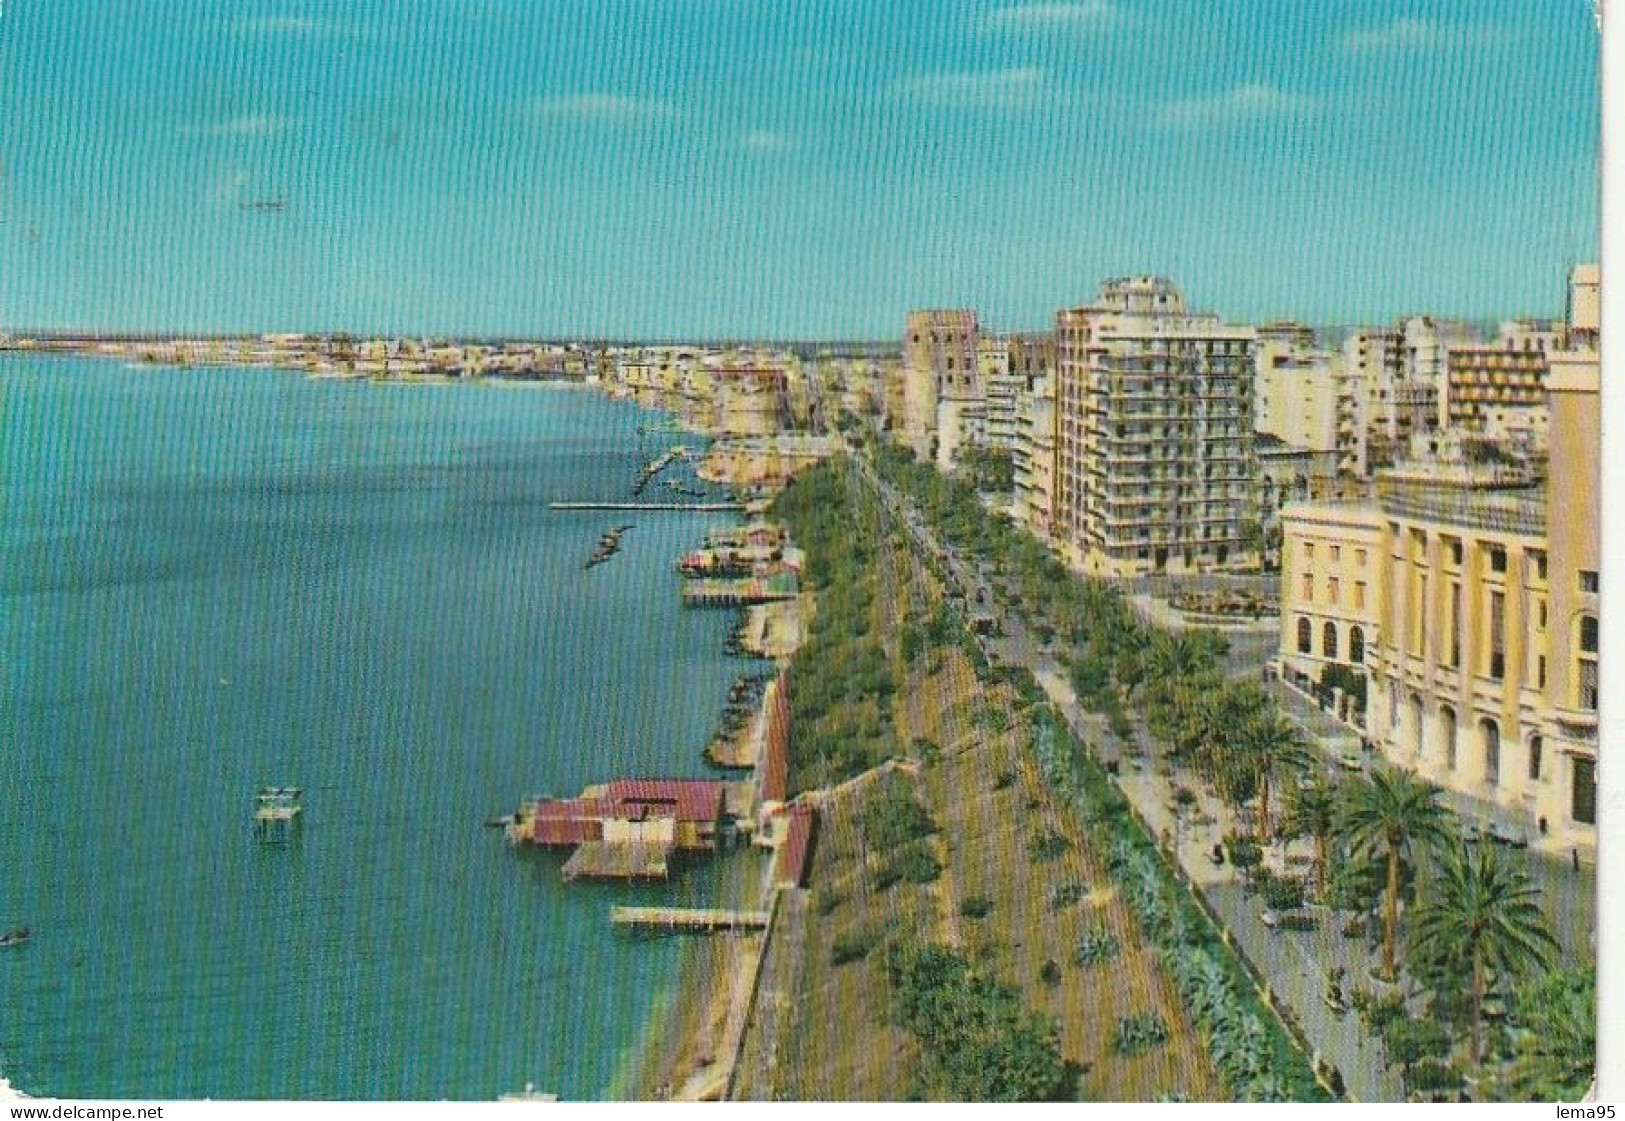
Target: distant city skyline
(754,169)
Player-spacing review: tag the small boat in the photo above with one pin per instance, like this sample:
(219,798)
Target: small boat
(15,937)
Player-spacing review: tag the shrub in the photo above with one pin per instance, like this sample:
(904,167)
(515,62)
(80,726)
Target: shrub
(1284,893)
(1432,1077)
(852,945)
(1097,945)
(1048,844)
(1136,1034)
(916,864)
(892,816)
(829,900)
(1006,778)
(1062,896)
(976,907)
(1050,973)
(927,750)
(1245,853)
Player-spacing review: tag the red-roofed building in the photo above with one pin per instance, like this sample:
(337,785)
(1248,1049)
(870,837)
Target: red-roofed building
(795,852)
(775,771)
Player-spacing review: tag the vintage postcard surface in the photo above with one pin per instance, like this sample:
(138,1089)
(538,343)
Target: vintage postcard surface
(949,550)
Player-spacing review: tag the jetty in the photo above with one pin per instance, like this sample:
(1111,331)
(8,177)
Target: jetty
(698,919)
(655,466)
(707,592)
(677,507)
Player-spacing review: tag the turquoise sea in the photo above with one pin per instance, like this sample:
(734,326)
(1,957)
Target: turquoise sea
(215,579)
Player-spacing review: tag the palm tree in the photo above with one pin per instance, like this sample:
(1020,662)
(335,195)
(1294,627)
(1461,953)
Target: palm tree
(1276,748)
(1312,812)
(1390,812)
(1481,913)
(1177,656)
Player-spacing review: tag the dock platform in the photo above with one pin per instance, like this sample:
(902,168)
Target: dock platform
(697,919)
(618,860)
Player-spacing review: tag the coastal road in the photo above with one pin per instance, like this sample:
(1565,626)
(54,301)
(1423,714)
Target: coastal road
(1294,966)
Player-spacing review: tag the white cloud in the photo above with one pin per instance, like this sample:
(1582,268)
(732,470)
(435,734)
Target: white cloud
(1080,15)
(765,140)
(1417,35)
(240,127)
(1014,88)
(606,108)
(1233,107)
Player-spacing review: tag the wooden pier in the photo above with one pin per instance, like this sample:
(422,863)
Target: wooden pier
(695,919)
(676,507)
(605,860)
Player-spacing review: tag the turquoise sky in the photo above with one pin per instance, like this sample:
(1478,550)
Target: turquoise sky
(778,168)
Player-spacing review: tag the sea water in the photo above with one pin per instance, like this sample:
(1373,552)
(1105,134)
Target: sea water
(216,579)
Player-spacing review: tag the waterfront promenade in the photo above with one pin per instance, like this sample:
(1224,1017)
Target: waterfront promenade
(1291,965)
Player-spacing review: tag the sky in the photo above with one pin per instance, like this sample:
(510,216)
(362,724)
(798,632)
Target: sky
(785,168)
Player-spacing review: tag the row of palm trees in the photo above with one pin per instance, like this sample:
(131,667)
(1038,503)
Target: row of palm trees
(1475,917)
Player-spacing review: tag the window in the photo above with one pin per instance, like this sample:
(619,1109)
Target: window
(1583,798)
(1586,673)
(1453,548)
(1537,561)
(1498,654)
(1308,551)
(1359,595)
(1357,646)
(1307,587)
(1588,634)
(1359,557)
(1454,649)
(1588,582)
(1337,553)
(1540,671)
(1332,591)
(1328,640)
(1498,559)
(1535,746)
(1490,733)
(1305,643)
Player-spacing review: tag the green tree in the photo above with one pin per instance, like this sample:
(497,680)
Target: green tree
(1555,1044)
(1311,811)
(1391,813)
(1481,914)
(1276,749)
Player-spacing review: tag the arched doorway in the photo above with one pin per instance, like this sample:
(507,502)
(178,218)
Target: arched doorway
(1356,646)
(1489,734)
(1328,640)
(1304,639)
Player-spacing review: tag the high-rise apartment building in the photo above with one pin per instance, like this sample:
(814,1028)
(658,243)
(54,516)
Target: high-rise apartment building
(1155,440)
(1033,456)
